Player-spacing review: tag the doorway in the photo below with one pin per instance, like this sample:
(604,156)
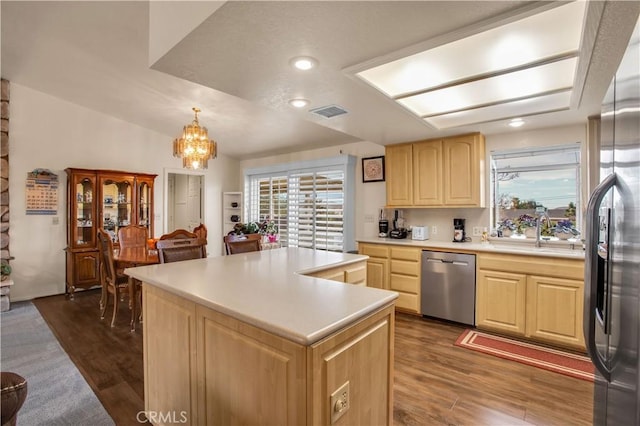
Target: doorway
(184,208)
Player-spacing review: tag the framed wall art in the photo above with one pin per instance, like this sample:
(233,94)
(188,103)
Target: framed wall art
(373,169)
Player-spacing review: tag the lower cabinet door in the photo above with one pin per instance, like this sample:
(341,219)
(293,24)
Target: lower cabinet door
(377,273)
(501,301)
(554,310)
(86,269)
(408,302)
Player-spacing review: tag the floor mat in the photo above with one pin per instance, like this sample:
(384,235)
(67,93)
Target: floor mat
(57,394)
(569,364)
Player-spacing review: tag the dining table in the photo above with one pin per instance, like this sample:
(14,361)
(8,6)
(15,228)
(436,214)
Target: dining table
(127,257)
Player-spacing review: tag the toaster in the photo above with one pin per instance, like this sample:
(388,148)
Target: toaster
(420,233)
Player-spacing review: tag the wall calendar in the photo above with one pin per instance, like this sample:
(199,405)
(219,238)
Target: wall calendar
(42,192)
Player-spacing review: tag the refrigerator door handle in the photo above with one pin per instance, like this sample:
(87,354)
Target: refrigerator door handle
(591,273)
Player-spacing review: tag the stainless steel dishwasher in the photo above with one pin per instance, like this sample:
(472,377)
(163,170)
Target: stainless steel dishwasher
(448,286)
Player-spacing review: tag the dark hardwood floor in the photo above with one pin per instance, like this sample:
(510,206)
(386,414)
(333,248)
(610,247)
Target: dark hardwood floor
(436,383)
(110,359)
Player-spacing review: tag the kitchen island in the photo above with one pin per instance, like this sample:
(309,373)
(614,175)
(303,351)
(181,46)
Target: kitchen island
(255,339)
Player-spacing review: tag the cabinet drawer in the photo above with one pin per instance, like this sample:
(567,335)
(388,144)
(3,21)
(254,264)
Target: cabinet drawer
(374,250)
(404,253)
(356,275)
(532,265)
(405,267)
(408,302)
(405,283)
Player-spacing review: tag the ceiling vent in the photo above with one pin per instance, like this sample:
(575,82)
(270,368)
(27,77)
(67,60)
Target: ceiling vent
(329,111)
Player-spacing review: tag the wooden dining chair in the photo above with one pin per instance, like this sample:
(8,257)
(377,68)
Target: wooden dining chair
(113,282)
(178,249)
(178,233)
(242,243)
(201,231)
(133,236)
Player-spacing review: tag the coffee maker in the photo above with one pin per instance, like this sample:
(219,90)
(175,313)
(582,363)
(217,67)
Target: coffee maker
(383,225)
(459,235)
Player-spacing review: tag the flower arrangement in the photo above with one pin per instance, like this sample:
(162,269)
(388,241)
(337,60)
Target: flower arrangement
(506,227)
(245,228)
(565,228)
(507,224)
(525,221)
(268,227)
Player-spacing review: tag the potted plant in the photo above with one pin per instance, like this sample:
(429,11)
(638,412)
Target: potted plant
(527,225)
(506,227)
(245,228)
(270,229)
(5,269)
(565,229)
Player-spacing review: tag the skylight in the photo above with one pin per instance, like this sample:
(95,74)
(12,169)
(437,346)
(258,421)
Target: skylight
(491,75)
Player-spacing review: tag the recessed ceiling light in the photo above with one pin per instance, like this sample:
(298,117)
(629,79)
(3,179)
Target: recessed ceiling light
(516,122)
(298,102)
(304,63)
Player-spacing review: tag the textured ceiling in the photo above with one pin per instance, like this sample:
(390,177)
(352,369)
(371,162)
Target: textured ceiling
(235,65)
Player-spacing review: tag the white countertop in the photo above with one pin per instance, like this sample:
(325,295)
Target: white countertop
(267,289)
(493,246)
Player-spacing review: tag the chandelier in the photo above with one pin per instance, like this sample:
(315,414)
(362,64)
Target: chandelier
(194,147)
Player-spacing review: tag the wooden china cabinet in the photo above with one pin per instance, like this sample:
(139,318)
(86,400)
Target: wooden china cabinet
(107,199)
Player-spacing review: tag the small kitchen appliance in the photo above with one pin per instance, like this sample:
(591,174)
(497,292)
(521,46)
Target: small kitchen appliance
(420,233)
(383,225)
(398,231)
(458,231)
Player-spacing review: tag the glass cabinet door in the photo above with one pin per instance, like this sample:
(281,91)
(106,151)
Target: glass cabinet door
(83,234)
(117,197)
(145,208)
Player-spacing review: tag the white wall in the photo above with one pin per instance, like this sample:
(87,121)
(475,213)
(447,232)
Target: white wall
(47,132)
(370,197)
(443,218)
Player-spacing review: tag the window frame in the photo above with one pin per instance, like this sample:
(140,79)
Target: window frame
(574,147)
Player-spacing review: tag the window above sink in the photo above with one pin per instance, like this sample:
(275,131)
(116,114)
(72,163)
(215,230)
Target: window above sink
(524,179)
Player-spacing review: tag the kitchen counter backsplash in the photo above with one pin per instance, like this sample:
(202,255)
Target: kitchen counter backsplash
(442,219)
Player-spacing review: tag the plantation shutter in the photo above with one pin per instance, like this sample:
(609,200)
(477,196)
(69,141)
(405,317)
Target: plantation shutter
(307,203)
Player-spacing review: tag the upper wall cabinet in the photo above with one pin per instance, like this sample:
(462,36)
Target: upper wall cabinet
(399,175)
(444,172)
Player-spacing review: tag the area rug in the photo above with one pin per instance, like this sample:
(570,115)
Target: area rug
(569,364)
(57,394)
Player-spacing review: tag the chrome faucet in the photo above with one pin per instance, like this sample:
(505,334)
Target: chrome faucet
(542,215)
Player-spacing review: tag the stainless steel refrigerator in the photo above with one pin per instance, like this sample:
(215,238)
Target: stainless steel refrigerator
(612,262)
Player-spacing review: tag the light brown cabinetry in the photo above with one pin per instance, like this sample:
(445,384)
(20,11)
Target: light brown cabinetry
(463,171)
(106,199)
(555,310)
(377,265)
(403,266)
(355,273)
(399,174)
(437,173)
(218,370)
(531,296)
(427,171)
(501,301)
(404,277)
